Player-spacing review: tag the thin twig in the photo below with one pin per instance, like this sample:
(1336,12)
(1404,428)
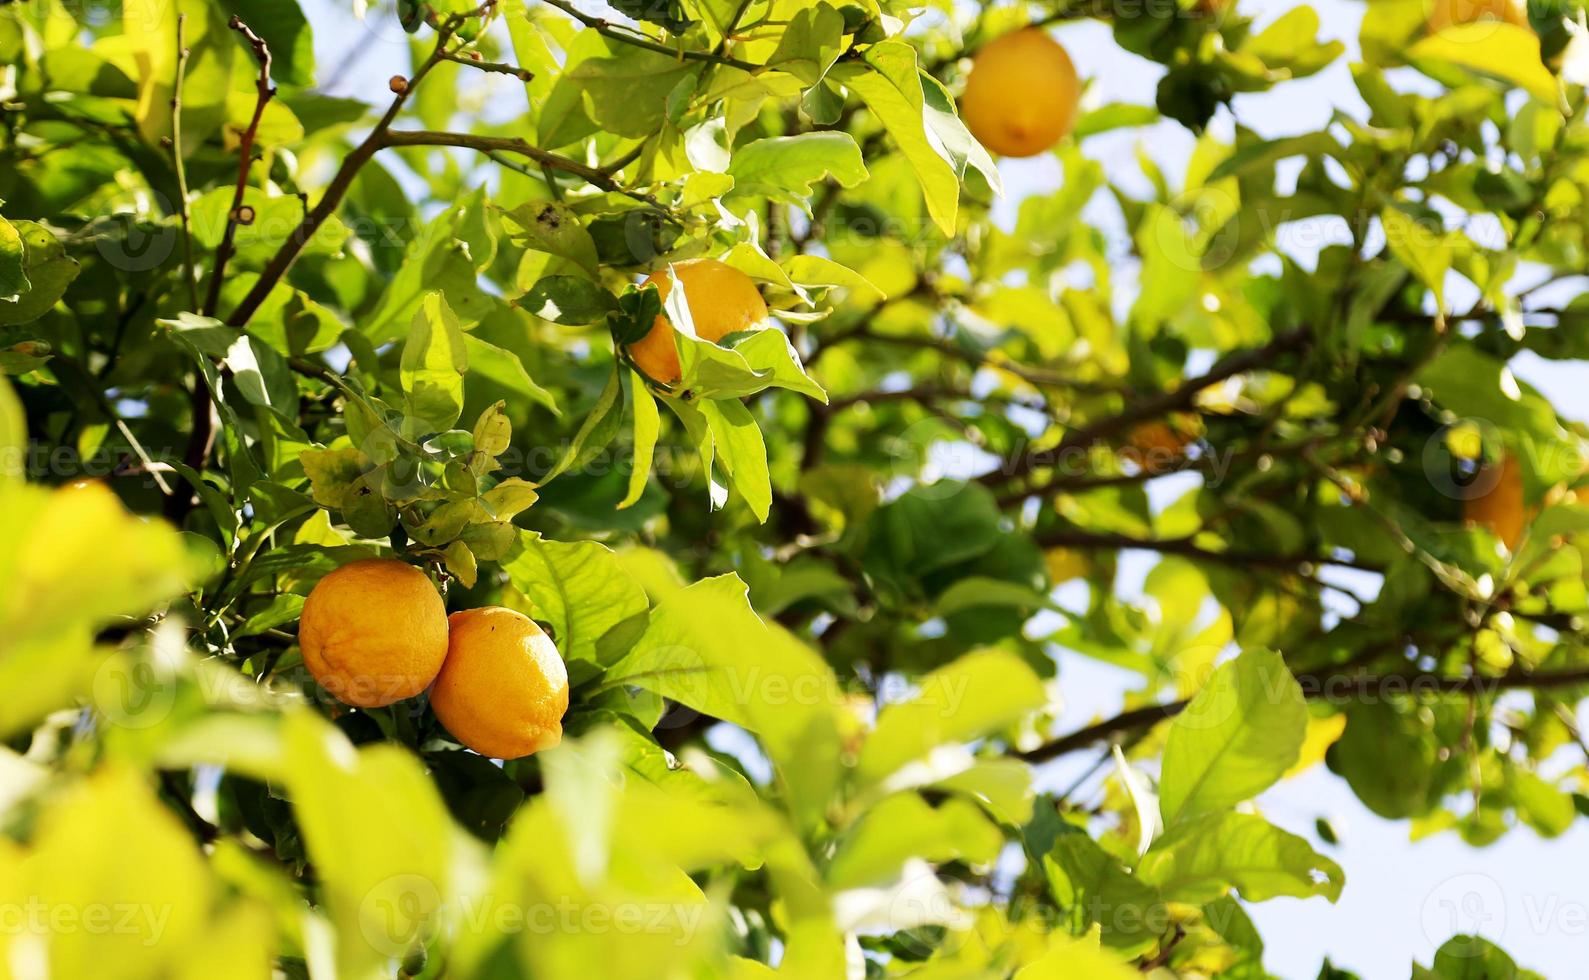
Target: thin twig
(594,176)
(183,209)
(1188,548)
(201,440)
(473,60)
(238,215)
(634,38)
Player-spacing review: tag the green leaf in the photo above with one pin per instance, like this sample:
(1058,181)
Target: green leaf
(1374,733)
(261,374)
(783,168)
(579,590)
(568,300)
(1291,44)
(904,827)
(740,452)
(554,228)
(1475,385)
(1472,958)
(1002,786)
(432,368)
(13,266)
(486,360)
(891,86)
(1066,958)
(975,695)
(699,430)
(1540,804)
(951,136)
(1239,735)
(1426,252)
(385,880)
(109,837)
(596,432)
(1115,115)
(1495,49)
(931,528)
(810,43)
(13,435)
(47,271)
(490,437)
(814,270)
(626,93)
(647,424)
(446,255)
(1266,153)
(763,359)
(1199,860)
(707,649)
(1093,888)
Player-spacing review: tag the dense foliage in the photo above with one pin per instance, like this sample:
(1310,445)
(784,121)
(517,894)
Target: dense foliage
(807,592)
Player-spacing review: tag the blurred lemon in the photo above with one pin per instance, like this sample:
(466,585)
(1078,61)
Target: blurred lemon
(374,632)
(1445,13)
(1499,506)
(1021,95)
(1065,564)
(1157,447)
(503,689)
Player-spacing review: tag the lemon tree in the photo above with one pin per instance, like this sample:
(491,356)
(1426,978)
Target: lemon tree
(777,449)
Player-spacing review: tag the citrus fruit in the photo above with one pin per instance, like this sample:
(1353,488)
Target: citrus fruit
(722,301)
(1157,447)
(373,632)
(1445,13)
(503,689)
(1021,95)
(1499,504)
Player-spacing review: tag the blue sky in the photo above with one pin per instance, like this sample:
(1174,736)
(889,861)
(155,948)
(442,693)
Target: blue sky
(1402,899)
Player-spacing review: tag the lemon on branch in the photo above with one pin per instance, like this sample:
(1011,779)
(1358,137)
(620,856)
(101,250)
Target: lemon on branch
(722,301)
(373,632)
(504,688)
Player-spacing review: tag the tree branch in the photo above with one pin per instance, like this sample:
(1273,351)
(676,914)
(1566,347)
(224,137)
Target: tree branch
(1180,398)
(474,60)
(1330,687)
(183,209)
(594,176)
(1032,376)
(628,36)
(1187,548)
(288,253)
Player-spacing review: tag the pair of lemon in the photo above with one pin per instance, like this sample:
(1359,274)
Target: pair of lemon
(375,631)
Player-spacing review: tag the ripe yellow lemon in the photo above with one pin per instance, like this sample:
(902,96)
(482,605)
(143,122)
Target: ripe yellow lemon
(1499,506)
(503,689)
(373,632)
(1021,95)
(1445,13)
(722,301)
